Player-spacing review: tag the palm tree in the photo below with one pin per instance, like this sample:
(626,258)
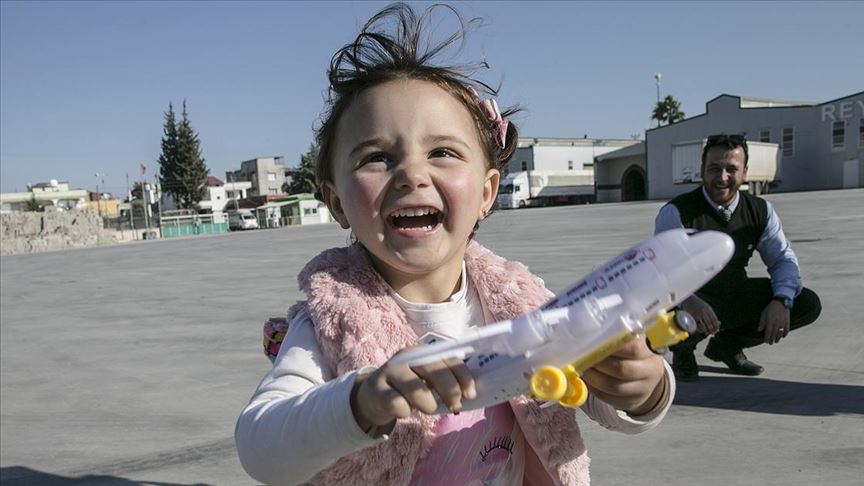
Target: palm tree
(668,111)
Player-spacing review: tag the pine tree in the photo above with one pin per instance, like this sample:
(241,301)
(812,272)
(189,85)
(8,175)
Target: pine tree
(182,171)
(168,164)
(303,179)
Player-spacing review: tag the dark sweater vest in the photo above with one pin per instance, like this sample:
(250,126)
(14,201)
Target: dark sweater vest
(746,227)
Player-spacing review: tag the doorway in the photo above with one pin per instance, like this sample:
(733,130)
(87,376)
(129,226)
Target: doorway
(633,184)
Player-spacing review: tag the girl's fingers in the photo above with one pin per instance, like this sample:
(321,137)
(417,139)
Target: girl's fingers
(414,391)
(464,377)
(440,378)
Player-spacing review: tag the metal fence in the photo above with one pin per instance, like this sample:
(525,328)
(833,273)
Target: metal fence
(193,224)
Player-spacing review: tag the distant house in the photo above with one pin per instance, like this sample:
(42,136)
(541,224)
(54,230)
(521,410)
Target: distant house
(265,174)
(221,196)
(302,209)
(53,194)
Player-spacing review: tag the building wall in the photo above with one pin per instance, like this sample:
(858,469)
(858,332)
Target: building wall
(814,165)
(556,154)
(106,207)
(267,174)
(609,175)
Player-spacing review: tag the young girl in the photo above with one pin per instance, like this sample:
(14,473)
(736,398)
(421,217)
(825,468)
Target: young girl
(409,160)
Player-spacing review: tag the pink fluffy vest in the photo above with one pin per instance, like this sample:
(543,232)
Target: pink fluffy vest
(358,324)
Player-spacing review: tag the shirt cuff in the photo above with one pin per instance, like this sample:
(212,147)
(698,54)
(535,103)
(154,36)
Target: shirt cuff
(788,292)
(663,405)
(341,409)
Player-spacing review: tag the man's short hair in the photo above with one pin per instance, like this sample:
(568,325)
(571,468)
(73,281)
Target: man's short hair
(729,142)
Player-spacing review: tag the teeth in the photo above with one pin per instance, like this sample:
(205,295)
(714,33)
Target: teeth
(414,212)
(420,228)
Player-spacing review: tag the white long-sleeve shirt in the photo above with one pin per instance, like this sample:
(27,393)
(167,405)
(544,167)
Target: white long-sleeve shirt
(299,420)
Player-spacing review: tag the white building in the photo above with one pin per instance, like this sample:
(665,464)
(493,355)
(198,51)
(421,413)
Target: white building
(561,154)
(300,209)
(821,144)
(54,193)
(620,175)
(221,196)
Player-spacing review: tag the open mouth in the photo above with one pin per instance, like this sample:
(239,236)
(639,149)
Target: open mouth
(416,219)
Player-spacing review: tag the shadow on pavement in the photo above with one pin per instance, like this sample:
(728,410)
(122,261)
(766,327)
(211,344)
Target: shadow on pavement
(24,476)
(771,396)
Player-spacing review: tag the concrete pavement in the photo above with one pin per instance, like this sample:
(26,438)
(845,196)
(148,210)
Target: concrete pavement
(128,365)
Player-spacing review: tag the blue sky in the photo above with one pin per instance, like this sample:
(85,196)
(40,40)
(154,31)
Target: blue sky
(83,85)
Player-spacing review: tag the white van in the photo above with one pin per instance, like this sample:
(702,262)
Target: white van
(241,221)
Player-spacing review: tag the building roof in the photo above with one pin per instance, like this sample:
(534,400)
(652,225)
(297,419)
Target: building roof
(749,102)
(572,142)
(214,181)
(632,150)
(752,102)
(45,185)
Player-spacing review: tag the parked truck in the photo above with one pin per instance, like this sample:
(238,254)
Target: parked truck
(763,168)
(546,188)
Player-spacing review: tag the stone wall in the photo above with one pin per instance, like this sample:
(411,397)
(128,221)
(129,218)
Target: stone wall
(32,232)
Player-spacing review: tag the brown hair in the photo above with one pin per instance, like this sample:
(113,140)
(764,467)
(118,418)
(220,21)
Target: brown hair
(376,57)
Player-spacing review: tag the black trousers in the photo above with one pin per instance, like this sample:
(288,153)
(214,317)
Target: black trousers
(739,312)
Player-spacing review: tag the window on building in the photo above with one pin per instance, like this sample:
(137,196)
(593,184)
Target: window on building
(765,135)
(310,211)
(788,141)
(271,176)
(838,134)
(273,190)
(524,165)
(569,165)
(861,133)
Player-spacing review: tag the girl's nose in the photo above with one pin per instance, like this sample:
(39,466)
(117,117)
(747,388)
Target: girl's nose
(412,174)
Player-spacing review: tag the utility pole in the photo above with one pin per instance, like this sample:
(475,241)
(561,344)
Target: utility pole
(99,175)
(131,210)
(144,193)
(159,204)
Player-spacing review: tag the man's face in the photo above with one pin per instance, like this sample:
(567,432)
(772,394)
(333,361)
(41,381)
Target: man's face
(723,173)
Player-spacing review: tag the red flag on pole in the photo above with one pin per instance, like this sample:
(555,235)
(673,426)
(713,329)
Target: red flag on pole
(143,169)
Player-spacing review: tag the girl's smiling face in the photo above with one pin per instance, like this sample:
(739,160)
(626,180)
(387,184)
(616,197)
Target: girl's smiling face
(410,177)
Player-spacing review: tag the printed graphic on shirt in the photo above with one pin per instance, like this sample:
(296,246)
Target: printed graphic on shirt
(503,443)
(476,447)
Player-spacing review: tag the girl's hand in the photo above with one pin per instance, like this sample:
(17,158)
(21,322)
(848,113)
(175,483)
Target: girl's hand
(632,379)
(393,391)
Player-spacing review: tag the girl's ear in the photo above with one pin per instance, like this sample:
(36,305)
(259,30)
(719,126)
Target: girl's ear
(490,192)
(334,204)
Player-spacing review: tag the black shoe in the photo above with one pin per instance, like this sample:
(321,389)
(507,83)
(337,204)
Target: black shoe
(735,360)
(684,365)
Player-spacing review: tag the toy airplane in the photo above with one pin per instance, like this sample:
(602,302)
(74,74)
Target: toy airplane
(544,352)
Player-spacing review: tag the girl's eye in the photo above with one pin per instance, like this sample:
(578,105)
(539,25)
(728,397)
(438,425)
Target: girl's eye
(377,157)
(442,153)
